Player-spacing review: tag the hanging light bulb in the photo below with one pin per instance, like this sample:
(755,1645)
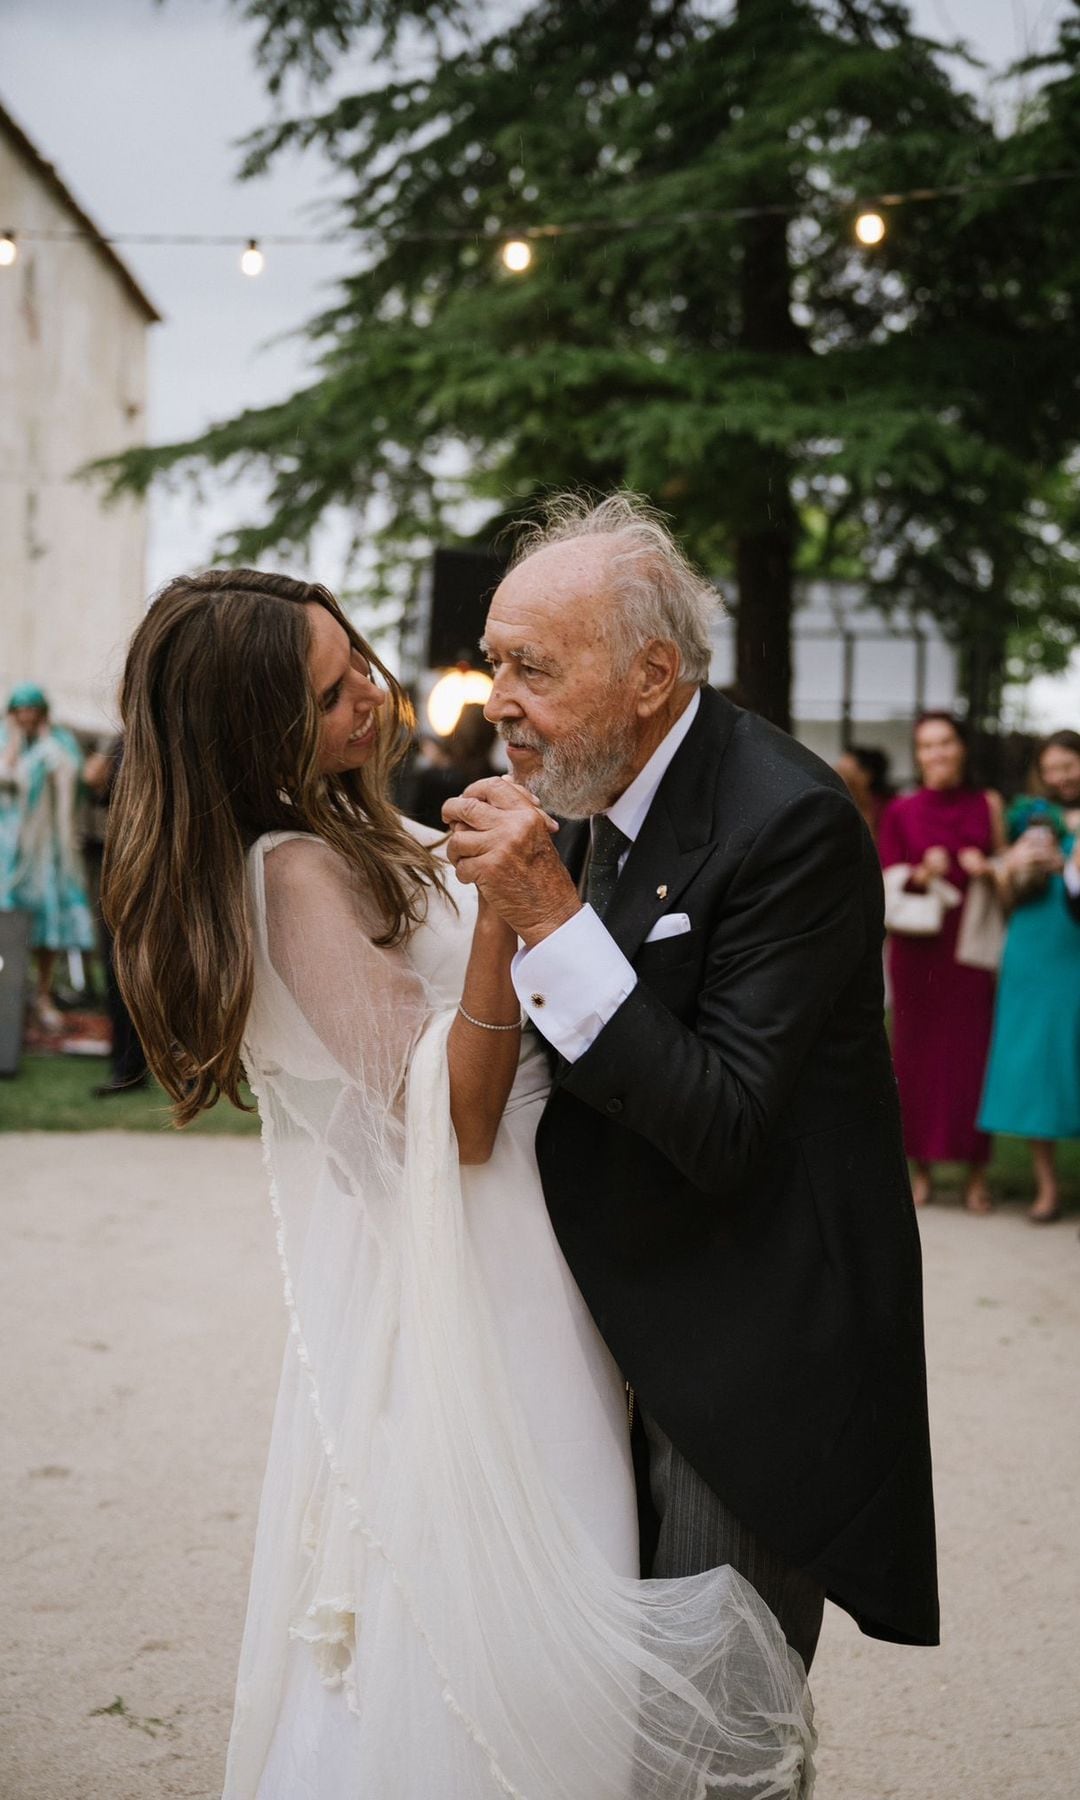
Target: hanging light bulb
(457,688)
(9,249)
(516,256)
(253,262)
(870,228)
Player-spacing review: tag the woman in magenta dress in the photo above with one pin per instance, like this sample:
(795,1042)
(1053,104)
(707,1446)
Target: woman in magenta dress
(942,1011)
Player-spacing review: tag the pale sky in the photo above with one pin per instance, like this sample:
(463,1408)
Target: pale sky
(140,106)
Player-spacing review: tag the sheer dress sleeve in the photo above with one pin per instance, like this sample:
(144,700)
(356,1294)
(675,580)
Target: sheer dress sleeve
(335,1017)
(364,1004)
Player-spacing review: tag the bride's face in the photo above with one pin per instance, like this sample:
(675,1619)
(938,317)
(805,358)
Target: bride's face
(347,695)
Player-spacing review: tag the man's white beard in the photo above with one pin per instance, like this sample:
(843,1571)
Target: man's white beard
(580,773)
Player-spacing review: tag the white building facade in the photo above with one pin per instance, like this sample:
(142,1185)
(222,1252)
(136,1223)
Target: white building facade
(860,676)
(73,375)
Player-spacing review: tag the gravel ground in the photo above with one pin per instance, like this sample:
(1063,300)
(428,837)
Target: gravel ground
(141,1333)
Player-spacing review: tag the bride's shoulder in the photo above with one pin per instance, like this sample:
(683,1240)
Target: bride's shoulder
(298,870)
(303,887)
(294,860)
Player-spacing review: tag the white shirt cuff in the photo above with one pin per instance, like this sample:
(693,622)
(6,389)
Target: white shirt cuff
(572,983)
(1072,878)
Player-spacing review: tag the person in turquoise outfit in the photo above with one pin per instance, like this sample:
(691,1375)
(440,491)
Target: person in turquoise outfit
(1033,1077)
(40,867)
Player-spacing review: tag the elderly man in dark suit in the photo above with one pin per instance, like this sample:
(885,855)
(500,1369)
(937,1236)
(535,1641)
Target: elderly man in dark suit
(721,1153)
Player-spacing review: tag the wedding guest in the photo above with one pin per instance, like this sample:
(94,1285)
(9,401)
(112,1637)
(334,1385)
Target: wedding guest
(40,867)
(864,770)
(1033,1080)
(942,1011)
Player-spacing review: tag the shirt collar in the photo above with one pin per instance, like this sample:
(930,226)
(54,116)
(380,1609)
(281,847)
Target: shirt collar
(629,810)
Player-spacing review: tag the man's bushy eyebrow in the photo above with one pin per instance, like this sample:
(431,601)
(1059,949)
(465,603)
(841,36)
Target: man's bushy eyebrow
(524,653)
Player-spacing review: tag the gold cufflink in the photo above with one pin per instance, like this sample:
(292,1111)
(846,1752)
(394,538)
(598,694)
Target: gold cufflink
(661,892)
(537,999)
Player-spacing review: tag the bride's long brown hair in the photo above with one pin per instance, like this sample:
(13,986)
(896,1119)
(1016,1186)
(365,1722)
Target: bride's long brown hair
(221,744)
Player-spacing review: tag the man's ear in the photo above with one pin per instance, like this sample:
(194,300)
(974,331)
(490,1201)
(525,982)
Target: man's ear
(659,663)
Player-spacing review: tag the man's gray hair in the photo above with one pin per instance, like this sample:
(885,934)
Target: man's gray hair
(658,594)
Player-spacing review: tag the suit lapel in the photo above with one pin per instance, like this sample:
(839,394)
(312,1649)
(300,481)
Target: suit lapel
(679,830)
(654,875)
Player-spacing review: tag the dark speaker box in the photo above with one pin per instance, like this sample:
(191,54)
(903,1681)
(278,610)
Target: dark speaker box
(462,583)
(14,976)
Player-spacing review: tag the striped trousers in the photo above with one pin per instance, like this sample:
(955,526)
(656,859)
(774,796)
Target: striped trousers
(698,1532)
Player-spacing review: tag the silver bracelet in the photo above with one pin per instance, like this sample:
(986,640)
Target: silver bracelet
(485,1026)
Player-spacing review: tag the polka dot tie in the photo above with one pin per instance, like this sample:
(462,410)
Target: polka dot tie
(608,844)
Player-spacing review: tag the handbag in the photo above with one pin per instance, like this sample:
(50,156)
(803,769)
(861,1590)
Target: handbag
(981,938)
(911,912)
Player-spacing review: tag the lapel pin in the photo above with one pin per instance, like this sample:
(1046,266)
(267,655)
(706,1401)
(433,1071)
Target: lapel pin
(661,892)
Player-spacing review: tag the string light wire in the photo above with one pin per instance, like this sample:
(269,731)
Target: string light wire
(606,226)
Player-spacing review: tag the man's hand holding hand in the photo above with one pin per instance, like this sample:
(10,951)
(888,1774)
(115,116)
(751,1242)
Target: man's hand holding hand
(501,839)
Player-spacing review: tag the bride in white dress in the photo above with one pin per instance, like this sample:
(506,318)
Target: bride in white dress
(444,1600)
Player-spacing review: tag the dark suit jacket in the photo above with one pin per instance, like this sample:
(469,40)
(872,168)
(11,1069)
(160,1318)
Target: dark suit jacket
(725,1171)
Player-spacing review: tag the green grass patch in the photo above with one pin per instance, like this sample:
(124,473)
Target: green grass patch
(53,1093)
(1011,1176)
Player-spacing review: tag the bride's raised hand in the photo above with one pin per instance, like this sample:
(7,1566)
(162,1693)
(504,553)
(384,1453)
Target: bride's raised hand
(496,934)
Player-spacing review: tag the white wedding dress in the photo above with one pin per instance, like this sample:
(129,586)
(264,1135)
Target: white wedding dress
(444,1602)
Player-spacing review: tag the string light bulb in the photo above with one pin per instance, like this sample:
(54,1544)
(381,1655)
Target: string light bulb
(516,256)
(253,262)
(9,249)
(870,229)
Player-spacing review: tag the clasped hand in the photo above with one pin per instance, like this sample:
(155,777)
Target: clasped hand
(502,840)
(1036,852)
(974,862)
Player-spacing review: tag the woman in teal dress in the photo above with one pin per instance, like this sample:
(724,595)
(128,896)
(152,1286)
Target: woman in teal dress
(40,866)
(1033,1077)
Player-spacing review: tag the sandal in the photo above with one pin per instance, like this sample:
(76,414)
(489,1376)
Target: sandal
(46,1014)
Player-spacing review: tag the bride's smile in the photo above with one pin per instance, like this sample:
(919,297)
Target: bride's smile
(349,695)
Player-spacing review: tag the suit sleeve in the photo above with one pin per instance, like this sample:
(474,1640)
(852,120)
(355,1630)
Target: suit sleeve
(790,935)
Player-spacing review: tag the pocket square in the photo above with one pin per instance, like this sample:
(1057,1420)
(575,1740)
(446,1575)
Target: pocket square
(671,925)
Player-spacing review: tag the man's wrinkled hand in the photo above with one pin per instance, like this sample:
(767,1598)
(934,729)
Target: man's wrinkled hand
(501,839)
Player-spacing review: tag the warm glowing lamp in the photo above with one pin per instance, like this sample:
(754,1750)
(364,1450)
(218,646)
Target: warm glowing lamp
(870,228)
(9,249)
(516,256)
(457,688)
(253,262)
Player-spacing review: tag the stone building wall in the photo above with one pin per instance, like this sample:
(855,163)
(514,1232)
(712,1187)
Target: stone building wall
(73,379)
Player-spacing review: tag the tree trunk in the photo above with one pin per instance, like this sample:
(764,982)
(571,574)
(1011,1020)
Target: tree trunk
(765,542)
(982,668)
(764,557)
